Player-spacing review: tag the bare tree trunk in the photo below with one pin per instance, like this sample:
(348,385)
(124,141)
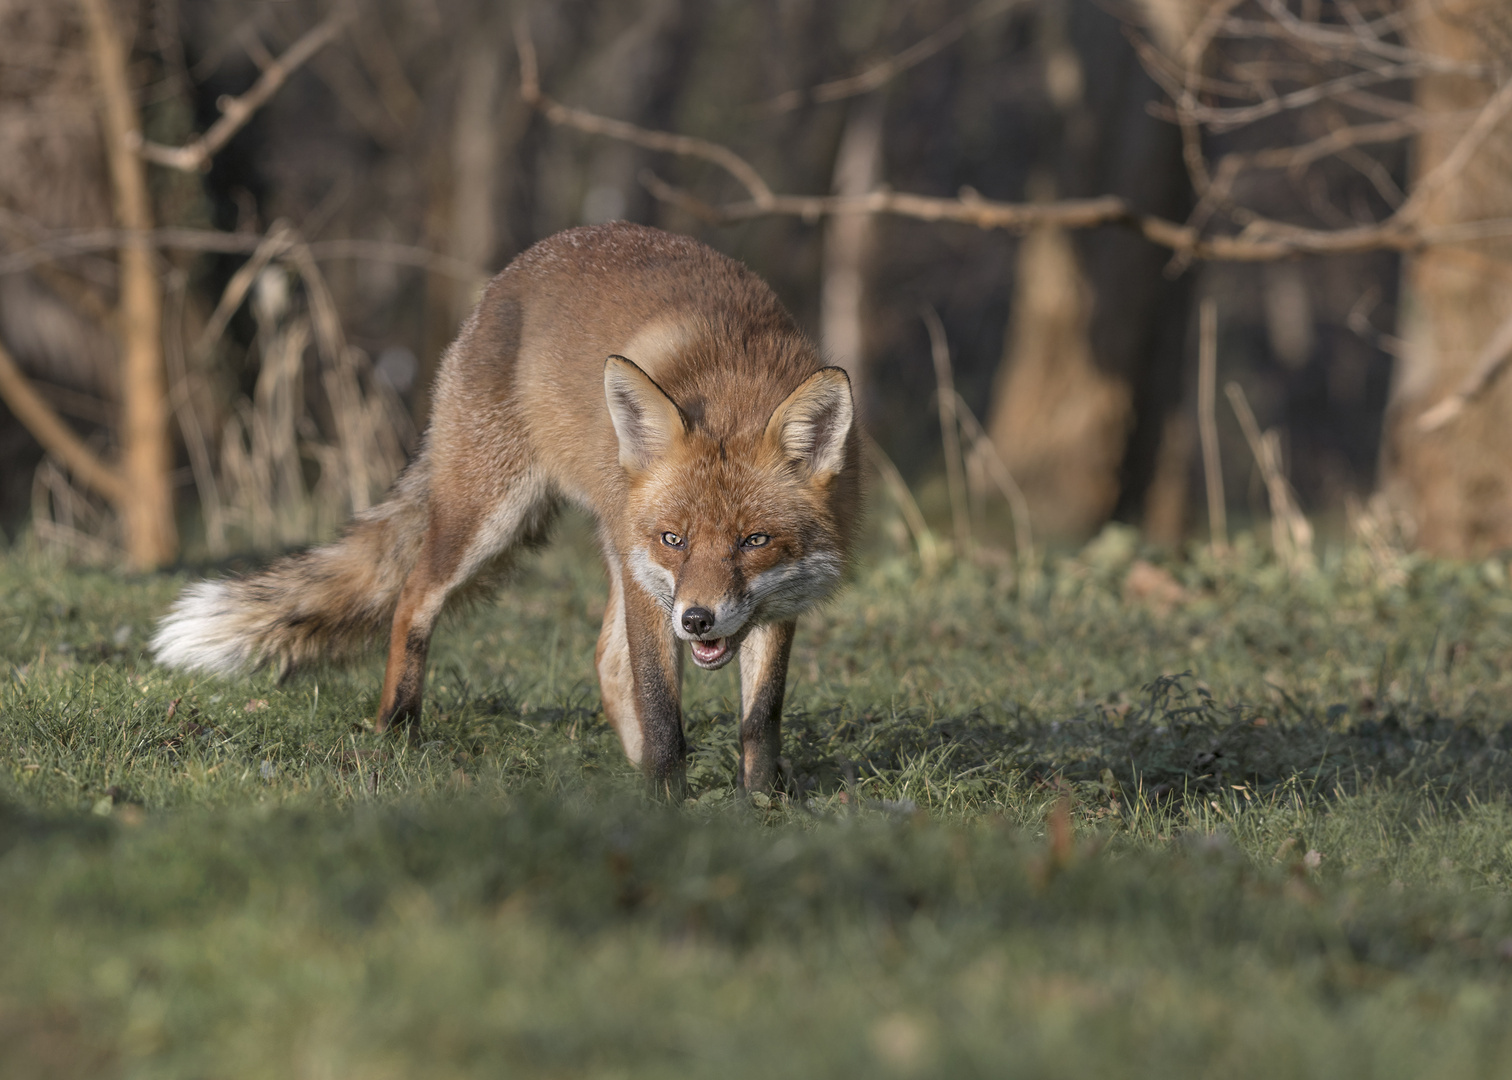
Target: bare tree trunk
(1091,370)
(146,508)
(475,149)
(1456,483)
(462,217)
(1165,508)
(1059,423)
(848,243)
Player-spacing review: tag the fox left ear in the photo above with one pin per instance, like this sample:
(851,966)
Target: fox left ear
(646,420)
(812,425)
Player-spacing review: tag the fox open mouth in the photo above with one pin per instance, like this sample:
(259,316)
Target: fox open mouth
(711,654)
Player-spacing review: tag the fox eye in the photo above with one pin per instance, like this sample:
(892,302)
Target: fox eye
(672,540)
(756,540)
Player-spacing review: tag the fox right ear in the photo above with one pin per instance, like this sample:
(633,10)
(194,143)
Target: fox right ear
(813,425)
(646,420)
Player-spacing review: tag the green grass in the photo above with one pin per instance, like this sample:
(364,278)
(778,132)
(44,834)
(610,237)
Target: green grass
(1028,827)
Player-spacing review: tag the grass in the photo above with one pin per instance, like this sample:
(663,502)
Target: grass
(1061,825)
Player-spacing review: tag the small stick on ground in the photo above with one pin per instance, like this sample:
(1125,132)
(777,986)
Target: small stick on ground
(913,517)
(1207,423)
(984,450)
(950,430)
(1291,533)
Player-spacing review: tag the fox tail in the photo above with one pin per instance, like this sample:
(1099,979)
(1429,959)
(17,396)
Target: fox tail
(323,604)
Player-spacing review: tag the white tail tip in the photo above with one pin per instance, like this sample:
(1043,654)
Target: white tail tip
(204,631)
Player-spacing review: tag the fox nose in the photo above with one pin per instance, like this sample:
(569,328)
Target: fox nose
(698,620)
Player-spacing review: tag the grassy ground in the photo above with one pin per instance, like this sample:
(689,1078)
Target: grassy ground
(1112,819)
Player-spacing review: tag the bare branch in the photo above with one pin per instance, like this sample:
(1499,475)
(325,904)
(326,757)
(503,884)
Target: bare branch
(880,74)
(54,433)
(950,431)
(1490,366)
(969,209)
(983,448)
(1340,139)
(237,111)
(1359,322)
(1396,109)
(897,487)
(64,244)
(1343,42)
(1207,425)
(1448,170)
(1173,77)
(1207,29)
(1226,118)
(274,244)
(1261,239)
(1291,533)
(592,124)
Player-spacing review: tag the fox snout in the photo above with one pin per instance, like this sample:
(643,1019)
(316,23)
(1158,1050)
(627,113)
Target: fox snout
(721,617)
(713,633)
(698,621)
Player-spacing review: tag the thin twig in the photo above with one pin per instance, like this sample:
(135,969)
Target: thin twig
(985,450)
(1449,170)
(1358,320)
(180,395)
(1291,533)
(65,244)
(593,124)
(236,111)
(950,431)
(1226,118)
(1343,138)
(1262,239)
(274,244)
(1207,425)
(883,72)
(54,433)
(907,505)
(1490,365)
(1361,40)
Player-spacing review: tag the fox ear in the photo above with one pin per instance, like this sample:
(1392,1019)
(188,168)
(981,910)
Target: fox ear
(811,426)
(646,420)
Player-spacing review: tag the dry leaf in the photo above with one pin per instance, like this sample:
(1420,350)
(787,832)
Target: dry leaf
(1153,586)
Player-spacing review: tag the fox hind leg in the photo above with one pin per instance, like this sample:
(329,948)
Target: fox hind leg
(466,542)
(763,680)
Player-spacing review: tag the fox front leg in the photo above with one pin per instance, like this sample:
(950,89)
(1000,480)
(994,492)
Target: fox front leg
(655,663)
(763,678)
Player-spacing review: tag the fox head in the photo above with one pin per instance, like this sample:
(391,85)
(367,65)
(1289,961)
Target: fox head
(729,533)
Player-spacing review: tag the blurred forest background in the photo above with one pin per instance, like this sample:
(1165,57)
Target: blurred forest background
(1137,260)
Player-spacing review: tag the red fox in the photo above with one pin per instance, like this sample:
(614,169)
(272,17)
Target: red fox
(657,384)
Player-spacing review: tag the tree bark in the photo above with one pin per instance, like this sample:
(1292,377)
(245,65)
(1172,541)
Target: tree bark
(1456,482)
(145,506)
(848,243)
(1059,422)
